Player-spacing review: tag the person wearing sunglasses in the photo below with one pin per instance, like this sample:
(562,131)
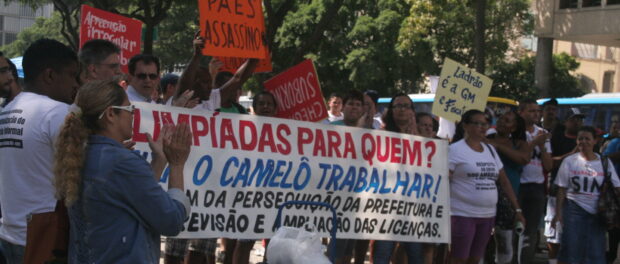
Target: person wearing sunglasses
(143,78)
(100,60)
(117,209)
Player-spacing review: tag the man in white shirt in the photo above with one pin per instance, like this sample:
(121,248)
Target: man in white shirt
(532,189)
(100,60)
(31,123)
(143,78)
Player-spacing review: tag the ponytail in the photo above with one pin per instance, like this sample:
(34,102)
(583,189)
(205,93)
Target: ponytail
(92,100)
(69,159)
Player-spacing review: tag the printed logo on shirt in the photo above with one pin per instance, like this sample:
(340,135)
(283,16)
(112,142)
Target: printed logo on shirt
(11,129)
(585,185)
(485,178)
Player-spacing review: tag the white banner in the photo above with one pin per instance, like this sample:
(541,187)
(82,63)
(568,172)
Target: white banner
(383,185)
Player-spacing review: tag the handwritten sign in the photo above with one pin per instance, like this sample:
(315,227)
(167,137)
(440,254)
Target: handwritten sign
(233,28)
(298,93)
(122,31)
(384,185)
(460,89)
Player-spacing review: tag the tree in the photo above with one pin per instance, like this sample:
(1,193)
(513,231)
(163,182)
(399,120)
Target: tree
(446,28)
(174,47)
(516,80)
(150,12)
(353,44)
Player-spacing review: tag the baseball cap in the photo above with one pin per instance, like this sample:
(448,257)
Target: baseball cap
(575,113)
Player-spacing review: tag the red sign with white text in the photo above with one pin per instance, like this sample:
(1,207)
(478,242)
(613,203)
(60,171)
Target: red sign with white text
(125,32)
(298,93)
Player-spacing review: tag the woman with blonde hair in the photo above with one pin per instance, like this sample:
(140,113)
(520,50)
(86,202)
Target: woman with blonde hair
(117,209)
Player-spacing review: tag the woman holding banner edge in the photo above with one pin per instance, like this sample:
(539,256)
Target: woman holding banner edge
(475,170)
(99,178)
(400,117)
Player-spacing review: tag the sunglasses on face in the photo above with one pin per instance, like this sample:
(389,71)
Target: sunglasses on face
(143,76)
(128,108)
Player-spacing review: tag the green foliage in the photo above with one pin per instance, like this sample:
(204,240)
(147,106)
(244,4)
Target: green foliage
(42,28)
(516,80)
(445,28)
(357,49)
(174,47)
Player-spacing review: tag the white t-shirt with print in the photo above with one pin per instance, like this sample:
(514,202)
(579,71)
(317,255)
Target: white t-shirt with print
(583,180)
(533,171)
(473,189)
(214,102)
(29,124)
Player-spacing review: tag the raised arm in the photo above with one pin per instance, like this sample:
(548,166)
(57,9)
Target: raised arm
(188,77)
(229,90)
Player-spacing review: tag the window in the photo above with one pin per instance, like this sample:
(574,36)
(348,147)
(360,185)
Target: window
(610,53)
(9,38)
(25,10)
(586,51)
(608,81)
(613,2)
(568,4)
(590,3)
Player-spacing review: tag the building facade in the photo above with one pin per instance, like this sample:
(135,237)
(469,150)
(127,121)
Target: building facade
(14,17)
(586,29)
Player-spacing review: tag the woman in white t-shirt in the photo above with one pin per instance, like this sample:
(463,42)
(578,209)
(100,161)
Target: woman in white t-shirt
(475,170)
(579,182)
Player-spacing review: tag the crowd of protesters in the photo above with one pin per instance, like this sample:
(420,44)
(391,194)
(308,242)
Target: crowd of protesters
(510,173)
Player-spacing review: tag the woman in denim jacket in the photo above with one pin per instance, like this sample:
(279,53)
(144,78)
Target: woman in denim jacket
(117,209)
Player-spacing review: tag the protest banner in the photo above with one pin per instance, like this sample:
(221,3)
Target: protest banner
(233,28)
(460,89)
(125,32)
(384,185)
(298,93)
(231,64)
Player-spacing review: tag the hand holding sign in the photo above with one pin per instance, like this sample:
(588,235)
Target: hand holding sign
(460,89)
(199,43)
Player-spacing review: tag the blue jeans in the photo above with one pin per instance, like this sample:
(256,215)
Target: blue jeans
(13,254)
(383,251)
(583,236)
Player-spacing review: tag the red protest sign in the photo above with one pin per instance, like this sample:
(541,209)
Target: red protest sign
(298,93)
(123,31)
(231,64)
(233,28)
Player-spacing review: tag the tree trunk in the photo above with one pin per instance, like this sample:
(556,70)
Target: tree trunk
(148,39)
(479,51)
(543,67)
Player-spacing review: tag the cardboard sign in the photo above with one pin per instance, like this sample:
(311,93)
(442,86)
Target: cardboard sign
(298,93)
(231,64)
(241,168)
(233,28)
(460,89)
(122,31)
